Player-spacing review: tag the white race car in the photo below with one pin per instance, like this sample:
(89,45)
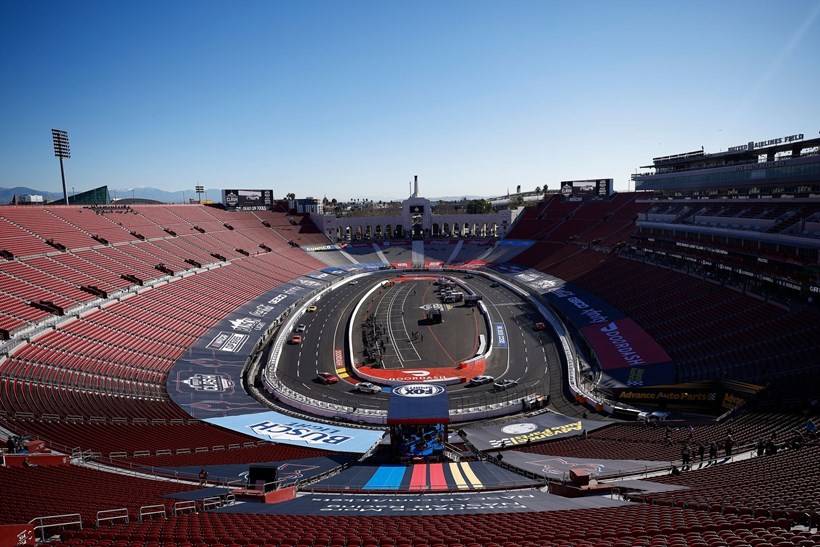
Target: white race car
(367,387)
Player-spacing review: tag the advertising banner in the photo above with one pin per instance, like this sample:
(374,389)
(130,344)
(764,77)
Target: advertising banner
(587,188)
(279,428)
(418,404)
(206,381)
(534,430)
(247,200)
(417,504)
(580,307)
(628,355)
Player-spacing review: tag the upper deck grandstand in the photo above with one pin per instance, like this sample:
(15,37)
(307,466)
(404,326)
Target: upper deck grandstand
(784,166)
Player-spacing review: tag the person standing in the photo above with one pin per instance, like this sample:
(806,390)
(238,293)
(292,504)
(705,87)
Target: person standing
(728,445)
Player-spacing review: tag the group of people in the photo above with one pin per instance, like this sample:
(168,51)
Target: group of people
(699,451)
(690,451)
(14,444)
(764,447)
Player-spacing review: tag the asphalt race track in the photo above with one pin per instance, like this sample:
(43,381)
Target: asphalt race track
(407,341)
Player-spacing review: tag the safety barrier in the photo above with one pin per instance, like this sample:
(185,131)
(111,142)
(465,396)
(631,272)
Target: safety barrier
(111,516)
(151,510)
(213,502)
(54,521)
(180,507)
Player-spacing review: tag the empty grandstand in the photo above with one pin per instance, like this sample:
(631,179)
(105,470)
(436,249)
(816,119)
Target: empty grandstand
(674,331)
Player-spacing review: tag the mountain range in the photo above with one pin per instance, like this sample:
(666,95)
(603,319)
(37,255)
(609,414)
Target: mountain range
(145,192)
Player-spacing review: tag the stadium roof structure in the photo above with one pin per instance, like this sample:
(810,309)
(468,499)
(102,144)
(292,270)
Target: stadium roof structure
(95,196)
(742,154)
(786,165)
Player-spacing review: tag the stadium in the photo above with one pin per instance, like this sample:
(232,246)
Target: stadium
(591,369)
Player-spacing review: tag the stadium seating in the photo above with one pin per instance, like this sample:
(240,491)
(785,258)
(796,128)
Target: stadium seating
(56,490)
(680,312)
(97,382)
(783,484)
(649,442)
(613,527)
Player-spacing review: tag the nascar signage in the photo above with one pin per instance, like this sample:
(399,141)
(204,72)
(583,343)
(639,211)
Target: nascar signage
(247,200)
(587,188)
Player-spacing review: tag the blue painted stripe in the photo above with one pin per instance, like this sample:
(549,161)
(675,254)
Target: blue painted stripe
(397,475)
(386,477)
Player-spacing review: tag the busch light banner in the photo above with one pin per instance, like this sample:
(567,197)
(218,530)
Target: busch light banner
(279,428)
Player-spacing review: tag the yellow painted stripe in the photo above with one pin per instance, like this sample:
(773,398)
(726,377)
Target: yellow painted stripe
(468,472)
(341,373)
(458,477)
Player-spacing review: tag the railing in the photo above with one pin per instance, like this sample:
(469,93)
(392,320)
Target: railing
(112,515)
(184,507)
(53,521)
(152,510)
(213,502)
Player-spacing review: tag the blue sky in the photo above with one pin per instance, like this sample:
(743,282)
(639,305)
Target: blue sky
(350,99)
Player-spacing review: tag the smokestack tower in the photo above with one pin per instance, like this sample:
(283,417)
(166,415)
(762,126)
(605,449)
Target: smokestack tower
(415,186)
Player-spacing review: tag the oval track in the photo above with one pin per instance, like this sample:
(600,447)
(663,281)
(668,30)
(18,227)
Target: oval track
(526,357)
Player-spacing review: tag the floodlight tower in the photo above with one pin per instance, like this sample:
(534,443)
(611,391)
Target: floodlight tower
(61,150)
(199,189)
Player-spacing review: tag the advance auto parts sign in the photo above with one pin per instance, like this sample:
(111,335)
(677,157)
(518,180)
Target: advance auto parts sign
(539,428)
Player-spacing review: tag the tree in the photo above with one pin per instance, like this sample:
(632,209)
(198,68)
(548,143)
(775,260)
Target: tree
(537,189)
(479,207)
(291,196)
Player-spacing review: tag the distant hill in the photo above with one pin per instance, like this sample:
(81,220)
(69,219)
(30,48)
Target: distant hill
(146,192)
(6,194)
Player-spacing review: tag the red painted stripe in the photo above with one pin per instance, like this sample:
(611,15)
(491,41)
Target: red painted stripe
(419,479)
(437,479)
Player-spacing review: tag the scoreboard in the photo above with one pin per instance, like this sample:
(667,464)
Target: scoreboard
(247,200)
(587,188)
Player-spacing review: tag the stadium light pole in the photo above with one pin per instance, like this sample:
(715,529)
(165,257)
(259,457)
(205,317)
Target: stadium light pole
(199,189)
(61,150)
